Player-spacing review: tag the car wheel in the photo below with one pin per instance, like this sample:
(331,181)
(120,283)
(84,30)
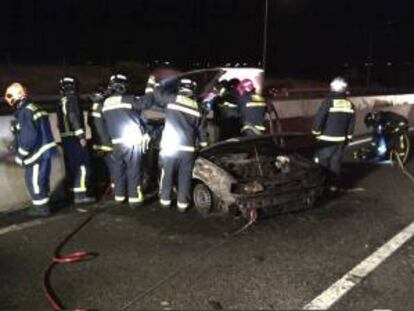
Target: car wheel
(203,199)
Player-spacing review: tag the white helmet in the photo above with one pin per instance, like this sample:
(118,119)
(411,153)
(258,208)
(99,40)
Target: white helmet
(339,85)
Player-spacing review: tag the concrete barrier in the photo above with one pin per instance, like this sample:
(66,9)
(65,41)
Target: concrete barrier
(13,191)
(304,110)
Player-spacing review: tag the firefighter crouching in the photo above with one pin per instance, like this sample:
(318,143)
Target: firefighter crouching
(253,108)
(334,124)
(100,140)
(129,138)
(183,126)
(36,147)
(72,131)
(389,136)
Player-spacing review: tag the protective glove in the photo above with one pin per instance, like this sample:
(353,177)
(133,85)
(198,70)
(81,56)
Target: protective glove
(18,160)
(146,139)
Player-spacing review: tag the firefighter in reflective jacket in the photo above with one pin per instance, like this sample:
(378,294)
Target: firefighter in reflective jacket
(253,109)
(71,126)
(36,147)
(101,142)
(184,126)
(128,133)
(227,110)
(334,123)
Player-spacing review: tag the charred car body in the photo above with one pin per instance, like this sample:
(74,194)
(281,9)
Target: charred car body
(254,173)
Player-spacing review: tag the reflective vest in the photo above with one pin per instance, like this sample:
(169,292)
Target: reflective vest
(335,119)
(34,135)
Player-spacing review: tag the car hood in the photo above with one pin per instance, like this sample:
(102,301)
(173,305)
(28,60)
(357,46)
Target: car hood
(271,145)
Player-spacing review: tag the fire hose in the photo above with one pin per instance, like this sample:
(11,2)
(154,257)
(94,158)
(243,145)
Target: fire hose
(402,167)
(73,257)
(79,256)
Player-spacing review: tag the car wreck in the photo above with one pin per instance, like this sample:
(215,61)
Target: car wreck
(269,174)
(240,175)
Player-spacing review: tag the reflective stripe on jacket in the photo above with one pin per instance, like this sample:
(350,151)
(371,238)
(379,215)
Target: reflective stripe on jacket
(34,136)
(335,119)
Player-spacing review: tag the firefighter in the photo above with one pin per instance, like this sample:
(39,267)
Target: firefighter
(227,110)
(334,124)
(184,126)
(36,147)
(390,132)
(71,125)
(101,142)
(253,108)
(127,130)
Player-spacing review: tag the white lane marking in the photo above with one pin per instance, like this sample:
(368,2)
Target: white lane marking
(337,290)
(29,224)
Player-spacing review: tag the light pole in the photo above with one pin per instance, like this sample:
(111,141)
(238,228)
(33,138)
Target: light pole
(265,22)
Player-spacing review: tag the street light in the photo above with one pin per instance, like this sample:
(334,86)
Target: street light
(266,16)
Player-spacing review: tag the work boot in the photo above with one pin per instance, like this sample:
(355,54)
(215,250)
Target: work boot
(182,207)
(164,204)
(39,211)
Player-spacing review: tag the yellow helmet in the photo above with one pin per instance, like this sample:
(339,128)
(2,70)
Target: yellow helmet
(15,93)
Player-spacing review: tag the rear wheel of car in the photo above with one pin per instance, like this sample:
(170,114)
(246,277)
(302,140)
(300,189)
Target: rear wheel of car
(203,199)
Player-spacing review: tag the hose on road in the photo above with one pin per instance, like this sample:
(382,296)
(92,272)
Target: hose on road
(73,257)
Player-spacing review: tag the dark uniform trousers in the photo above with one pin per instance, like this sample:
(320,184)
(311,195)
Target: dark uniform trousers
(182,163)
(37,181)
(127,172)
(77,165)
(229,127)
(330,157)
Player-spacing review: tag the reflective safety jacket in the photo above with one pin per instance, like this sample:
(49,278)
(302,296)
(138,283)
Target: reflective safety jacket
(123,119)
(335,119)
(34,136)
(70,117)
(184,126)
(253,107)
(100,138)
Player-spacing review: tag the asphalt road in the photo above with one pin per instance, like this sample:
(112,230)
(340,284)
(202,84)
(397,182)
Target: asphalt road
(160,259)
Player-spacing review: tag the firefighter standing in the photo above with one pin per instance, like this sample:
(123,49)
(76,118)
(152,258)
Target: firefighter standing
(227,110)
(127,131)
(253,108)
(36,147)
(183,126)
(334,124)
(101,142)
(71,126)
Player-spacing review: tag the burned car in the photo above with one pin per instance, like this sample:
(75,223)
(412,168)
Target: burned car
(245,174)
(269,173)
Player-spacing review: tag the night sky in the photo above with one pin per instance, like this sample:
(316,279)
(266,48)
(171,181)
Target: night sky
(304,36)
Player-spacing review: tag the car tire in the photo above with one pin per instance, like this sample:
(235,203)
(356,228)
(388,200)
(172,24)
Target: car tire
(203,199)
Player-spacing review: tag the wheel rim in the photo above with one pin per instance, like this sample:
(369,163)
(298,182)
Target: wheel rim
(203,199)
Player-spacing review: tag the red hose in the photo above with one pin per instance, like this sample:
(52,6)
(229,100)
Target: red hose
(67,258)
